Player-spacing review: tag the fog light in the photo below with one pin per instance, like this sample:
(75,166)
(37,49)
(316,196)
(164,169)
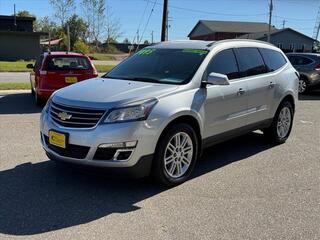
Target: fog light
(129,144)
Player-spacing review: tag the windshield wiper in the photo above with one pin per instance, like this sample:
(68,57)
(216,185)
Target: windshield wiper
(145,79)
(138,79)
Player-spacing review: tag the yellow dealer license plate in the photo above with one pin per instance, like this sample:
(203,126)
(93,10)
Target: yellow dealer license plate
(57,139)
(71,79)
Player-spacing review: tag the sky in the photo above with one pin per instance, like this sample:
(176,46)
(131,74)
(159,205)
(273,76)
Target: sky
(300,15)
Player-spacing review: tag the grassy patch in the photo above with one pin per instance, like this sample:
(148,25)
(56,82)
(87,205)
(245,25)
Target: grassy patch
(101,57)
(18,66)
(103,68)
(14,86)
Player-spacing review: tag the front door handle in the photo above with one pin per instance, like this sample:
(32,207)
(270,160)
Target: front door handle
(241,91)
(271,85)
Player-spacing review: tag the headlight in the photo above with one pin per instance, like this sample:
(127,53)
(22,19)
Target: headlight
(131,113)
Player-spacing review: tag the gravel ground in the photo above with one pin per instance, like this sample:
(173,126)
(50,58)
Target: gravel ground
(242,189)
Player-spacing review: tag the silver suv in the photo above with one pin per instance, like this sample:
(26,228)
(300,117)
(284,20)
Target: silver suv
(156,111)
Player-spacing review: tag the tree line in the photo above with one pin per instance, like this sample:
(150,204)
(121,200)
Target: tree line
(95,26)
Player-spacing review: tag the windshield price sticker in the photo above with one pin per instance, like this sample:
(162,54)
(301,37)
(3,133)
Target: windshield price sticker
(195,51)
(146,52)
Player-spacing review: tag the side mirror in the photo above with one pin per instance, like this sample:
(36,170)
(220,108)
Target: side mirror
(30,65)
(217,79)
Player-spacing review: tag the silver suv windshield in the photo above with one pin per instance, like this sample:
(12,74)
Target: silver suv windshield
(170,66)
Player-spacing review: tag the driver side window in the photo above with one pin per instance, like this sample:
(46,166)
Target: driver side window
(225,63)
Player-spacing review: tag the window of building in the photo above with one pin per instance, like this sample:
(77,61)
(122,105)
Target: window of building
(292,46)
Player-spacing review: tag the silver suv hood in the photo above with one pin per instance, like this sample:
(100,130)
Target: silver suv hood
(109,93)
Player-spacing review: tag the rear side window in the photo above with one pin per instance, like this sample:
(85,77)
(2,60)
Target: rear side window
(273,59)
(68,63)
(298,60)
(250,62)
(225,63)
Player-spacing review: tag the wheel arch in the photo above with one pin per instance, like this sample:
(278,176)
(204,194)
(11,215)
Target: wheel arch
(290,98)
(187,119)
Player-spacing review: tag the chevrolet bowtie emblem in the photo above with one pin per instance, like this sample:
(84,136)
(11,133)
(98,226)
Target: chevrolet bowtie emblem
(64,116)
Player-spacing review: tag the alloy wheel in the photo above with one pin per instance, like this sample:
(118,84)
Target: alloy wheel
(302,86)
(178,155)
(284,122)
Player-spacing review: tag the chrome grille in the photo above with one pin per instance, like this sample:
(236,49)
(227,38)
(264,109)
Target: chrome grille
(75,117)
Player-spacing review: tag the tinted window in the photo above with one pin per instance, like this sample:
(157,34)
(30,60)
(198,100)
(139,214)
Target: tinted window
(298,60)
(273,59)
(68,63)
(250,61)
(172,66)
(224,62)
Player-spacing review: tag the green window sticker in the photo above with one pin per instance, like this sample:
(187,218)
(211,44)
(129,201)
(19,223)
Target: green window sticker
(146,51)
(195,51)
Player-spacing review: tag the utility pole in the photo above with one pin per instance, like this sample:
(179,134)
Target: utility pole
(283,23)
(270,16)
(164,20)
(68,33)
(152,37)
(15,16)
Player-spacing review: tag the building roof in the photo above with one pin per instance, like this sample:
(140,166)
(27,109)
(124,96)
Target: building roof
(232,26)
(264,34)
(4,17)
(22,33)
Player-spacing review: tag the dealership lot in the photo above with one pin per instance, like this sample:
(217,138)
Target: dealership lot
(242,189)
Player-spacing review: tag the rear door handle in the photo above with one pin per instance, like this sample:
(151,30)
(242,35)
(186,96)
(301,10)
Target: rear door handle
(271,85)
(241,91)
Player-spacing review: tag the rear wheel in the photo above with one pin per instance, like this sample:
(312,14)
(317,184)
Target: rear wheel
(39,101)
(32,91)
(303,86)
(176,155)
(281,126)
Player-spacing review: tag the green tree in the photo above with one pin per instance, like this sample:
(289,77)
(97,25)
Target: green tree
(94,13)
(25,13)
(81,47)
(48,26)
(78,29)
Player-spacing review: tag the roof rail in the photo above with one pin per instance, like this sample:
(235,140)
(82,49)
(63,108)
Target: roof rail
(245,40)
(210,44)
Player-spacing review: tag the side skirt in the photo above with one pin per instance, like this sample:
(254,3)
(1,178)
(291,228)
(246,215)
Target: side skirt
(210,141)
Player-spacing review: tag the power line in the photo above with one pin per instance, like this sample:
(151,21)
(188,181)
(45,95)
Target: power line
(147,23)
(207,12)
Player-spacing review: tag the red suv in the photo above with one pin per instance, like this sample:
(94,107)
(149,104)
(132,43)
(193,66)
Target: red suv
(55,70)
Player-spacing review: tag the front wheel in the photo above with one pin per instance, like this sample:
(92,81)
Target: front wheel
(176,155)
(281,126)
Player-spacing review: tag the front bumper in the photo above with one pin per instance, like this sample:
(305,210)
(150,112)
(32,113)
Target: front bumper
(139,162)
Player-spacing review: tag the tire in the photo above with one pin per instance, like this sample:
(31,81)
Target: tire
(180,160)
(280,121)
(32,91)
(39,102)
(303,86)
